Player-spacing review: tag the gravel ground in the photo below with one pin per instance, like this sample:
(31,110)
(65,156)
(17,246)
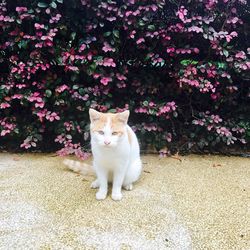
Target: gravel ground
(194,202)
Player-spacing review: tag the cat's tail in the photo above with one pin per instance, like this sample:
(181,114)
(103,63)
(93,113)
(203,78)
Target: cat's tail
(79,167)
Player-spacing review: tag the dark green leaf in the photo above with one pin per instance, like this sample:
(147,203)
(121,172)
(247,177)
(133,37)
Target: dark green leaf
(42,5)
(73,35)
(53,5)
(151,27)
(116,33)
(81,91)
(107,34)
(48,93)
(226,53)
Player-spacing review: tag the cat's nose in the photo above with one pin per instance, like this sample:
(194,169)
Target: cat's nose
(107,142)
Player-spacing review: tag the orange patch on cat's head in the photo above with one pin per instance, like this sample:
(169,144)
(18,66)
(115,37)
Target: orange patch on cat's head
(117,121)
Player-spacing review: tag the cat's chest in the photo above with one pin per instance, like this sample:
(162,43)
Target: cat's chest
(110,158)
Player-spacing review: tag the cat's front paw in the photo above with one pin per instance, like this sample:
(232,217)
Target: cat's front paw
(116,196)
(101,195)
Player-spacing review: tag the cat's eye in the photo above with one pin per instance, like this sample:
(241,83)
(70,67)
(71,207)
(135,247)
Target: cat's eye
(101,132)
(115,133)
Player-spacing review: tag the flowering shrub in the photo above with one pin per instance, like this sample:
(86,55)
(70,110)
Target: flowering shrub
(181,67)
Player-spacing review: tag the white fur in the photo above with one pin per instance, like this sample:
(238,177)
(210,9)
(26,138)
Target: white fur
(118,162)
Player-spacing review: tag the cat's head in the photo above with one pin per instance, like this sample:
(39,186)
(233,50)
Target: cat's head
(108,129)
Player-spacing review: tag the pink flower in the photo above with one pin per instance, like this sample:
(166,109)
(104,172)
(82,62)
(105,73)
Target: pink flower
(71,68)
(132,34)
(181,13)
(107,62)
(154,7)
(240,55)
(96,75)
(51,116)
(4,105)
(20,86)
(41,114)
(105,80)
(111,19)
(196,50)
(38,45)
(61,88)
(60,138)
(82,47)
(29,142)
(21,9)
(140,40)
(35,97)
(5,132)
(107,47)
(39,26)
(121,77)
(17,96)
(169,137)
(39,104)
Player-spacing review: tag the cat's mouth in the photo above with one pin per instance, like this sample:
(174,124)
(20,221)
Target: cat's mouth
(107,145)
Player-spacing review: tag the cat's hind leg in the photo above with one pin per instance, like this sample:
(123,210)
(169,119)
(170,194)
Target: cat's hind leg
(133,174)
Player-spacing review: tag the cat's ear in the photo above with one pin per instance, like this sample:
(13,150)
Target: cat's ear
(94,115)
(123,116)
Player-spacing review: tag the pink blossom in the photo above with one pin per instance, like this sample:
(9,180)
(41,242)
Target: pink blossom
(21,9)
(240,55)
(140,40)
(132,34)
(61,88)
(181,13)
(196,50)
(121,77)
(107,47)
(96,75)
(60,139)
(170,50)
(29,142)
(17,96)
(82,47)
(4,105)
(154,7)
(35,97)
(107,62)
(39,104)
(71,68)
(111,19)
(38,45)
(141,110)
(41,114)
(68,125)
(169,137)
(55,19)
(5,132)
(51,116)
(105,80)
(39,26)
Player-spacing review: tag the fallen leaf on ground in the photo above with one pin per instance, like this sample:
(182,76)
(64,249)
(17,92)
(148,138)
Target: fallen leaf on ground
(176,157)
(148,172)
(53,155)
(216,165)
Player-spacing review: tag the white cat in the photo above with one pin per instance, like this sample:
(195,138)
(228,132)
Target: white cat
(116,153)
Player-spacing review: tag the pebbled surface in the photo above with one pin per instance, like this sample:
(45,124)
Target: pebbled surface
(200,202)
